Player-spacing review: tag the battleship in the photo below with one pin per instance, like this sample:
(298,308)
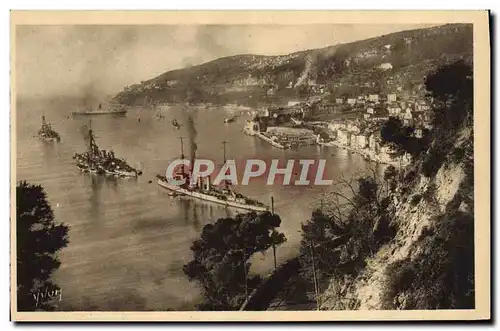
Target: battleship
(204,190)
(103,162)
(46,132)
(100,111)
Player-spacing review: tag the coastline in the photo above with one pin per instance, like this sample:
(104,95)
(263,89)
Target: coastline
(370,155)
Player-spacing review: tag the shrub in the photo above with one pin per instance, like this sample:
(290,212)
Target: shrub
(415,199)
(458,154)
(430,192)
(433,160)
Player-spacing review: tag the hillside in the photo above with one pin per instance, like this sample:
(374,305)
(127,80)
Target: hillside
(406,239)
(378,65)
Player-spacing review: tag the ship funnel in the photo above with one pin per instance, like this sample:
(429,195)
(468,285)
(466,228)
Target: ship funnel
(207,183)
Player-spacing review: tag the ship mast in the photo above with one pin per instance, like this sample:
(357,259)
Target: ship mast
(92,144)
(224,149)
(224,143)
(182,153)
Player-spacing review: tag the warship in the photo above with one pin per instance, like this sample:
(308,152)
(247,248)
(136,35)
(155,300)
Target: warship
(99,111)
(47,133)
(204,190)
(103,162)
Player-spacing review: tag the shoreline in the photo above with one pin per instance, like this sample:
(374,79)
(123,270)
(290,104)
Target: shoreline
(371,156)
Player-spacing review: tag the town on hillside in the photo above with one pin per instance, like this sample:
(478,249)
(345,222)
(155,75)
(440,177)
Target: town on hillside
(351,123)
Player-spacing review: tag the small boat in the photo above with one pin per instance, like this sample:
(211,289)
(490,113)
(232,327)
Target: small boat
(176,124)
(230,119)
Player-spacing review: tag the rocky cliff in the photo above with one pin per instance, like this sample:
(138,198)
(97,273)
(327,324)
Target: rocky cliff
(429,263)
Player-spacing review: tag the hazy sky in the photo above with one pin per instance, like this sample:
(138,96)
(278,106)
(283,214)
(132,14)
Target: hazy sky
(75,59)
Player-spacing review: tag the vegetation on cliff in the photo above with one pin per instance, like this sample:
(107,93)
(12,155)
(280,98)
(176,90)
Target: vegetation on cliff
(407,241)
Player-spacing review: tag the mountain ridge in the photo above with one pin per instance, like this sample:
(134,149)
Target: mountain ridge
(338,70)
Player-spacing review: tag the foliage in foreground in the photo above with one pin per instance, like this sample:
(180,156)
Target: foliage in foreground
(39,239)
(220,257)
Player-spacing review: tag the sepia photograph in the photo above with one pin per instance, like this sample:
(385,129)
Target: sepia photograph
(243,166)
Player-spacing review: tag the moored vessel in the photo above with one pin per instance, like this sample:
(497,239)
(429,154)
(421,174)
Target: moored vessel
(100,111)
(202,189)
(47,133)
(103,162)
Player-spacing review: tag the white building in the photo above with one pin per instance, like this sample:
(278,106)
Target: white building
(354,141)
(373,142)
(408,117)
(370,110)
(373,98)
(394,111)
(386,66)
(344,137)
(339,100)
(351,101)
(421,106)
(419,133)
(251,128)
(351,127)
(391,97)
(362,142)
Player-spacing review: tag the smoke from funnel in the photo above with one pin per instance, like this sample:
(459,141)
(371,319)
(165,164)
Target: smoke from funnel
(191,131)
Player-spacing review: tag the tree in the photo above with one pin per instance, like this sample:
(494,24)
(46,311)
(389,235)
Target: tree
(451,86)
(220,257)
(39,239)
(402,137)
(352,224)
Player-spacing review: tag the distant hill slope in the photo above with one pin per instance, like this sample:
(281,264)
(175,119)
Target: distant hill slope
(384,64)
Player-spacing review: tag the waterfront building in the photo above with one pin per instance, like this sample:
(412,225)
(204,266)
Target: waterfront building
(252,127)
(344,137)
(374,141)
(354,141)
(362,141)
(394,110)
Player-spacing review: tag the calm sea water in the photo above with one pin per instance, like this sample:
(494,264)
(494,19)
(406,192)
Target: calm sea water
(128,238)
